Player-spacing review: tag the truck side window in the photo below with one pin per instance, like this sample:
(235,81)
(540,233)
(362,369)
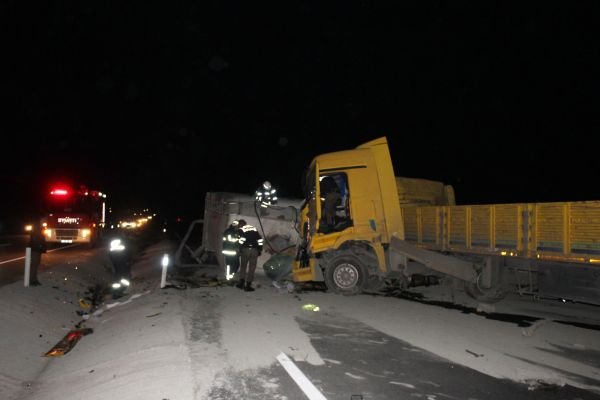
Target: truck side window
(334,203)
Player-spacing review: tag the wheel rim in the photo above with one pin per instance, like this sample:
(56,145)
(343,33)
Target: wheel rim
(346,276)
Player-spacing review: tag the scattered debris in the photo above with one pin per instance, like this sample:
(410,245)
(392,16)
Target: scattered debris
(68,342)
(174,286)
(530,330)
(153,315)
(473,353)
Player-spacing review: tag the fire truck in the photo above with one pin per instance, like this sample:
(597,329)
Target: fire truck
(74,215)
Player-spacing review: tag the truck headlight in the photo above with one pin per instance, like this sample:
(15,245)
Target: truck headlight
(85,232)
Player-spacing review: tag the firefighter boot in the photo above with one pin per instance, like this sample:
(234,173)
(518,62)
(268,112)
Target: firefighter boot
(248,287)
(240,284)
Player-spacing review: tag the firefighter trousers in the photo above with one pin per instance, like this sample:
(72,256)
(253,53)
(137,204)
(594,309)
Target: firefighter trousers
(249,258)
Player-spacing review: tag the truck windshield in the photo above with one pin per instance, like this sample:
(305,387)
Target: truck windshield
(76,203)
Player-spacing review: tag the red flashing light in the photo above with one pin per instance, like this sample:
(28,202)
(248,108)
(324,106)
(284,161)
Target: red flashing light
(59,192)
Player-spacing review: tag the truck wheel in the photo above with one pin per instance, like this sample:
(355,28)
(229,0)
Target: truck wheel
(345,274)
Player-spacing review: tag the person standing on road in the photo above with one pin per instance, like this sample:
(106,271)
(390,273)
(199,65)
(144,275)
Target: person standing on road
(230,250)
(37,244)
(251,244)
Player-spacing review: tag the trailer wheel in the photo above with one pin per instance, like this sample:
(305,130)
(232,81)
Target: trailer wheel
(346,274)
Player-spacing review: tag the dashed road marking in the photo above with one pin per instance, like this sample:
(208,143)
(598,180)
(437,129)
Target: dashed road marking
(301,380)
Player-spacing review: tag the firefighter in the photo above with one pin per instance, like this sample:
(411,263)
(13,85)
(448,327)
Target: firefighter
(120,252)
(251,244)
(266,194)
(230,249)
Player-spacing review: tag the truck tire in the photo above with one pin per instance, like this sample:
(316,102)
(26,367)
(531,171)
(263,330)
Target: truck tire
(345,274)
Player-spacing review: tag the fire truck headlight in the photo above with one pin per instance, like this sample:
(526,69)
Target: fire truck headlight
(28,228)
(85,232)
(48,232)
(116,245)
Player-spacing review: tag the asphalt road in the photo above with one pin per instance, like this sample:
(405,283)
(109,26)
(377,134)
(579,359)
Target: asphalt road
(363,363)
(12,257)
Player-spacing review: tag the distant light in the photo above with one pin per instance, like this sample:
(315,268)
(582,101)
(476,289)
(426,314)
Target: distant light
(164,229)
(59,192)
(165,260)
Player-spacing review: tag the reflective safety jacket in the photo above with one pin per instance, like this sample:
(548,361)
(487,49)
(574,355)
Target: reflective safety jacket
(231,243)
(251,238)
(266,196)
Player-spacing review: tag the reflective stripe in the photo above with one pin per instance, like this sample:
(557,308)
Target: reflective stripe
(260,242)
(229,252)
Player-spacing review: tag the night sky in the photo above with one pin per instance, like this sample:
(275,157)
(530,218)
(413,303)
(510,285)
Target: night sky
(158,103)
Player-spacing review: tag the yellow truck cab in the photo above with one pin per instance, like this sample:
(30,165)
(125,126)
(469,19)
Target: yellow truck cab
(352,249)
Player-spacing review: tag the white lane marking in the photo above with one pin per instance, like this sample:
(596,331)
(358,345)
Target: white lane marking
(301,380)
(49,251)
(354,376)
(408,385)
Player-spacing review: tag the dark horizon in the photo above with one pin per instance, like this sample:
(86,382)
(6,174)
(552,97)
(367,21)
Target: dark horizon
(157,106)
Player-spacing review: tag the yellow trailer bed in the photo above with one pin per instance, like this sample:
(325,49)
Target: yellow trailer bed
(560,231)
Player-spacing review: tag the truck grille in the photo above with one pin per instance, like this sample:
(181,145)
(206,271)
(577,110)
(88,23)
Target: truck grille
(66,234)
